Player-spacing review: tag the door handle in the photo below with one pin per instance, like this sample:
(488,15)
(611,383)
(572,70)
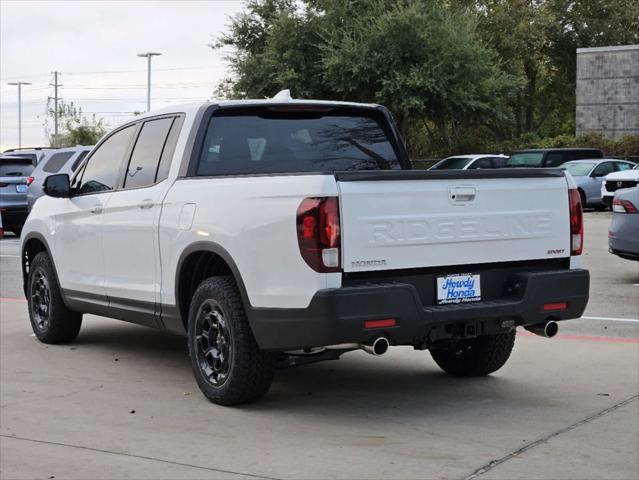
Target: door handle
(144,204)
(96,209)
(462,194)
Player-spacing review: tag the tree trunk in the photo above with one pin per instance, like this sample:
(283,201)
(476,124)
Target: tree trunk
(531,75)
(403,130)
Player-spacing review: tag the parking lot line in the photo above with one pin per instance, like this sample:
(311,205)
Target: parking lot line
(613,319)
(585,338)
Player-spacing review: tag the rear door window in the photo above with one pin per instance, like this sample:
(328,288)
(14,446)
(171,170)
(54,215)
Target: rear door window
(603,169)
(143,166)
(621,166)
(499,162)
(481,163)
(56,162)
(265,141)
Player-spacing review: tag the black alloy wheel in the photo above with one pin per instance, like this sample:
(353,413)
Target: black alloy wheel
(214,343)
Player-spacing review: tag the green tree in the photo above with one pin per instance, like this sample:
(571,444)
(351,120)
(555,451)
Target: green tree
(537,41)
(77,129)
(423,60)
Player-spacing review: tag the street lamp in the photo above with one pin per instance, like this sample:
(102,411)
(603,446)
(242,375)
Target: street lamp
(148,56)
(19,84)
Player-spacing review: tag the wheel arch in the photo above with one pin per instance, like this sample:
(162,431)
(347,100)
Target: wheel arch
(33,244)
(198,261)
(584,197)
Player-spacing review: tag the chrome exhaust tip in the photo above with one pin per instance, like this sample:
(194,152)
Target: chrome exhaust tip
(378,348)
(547,330)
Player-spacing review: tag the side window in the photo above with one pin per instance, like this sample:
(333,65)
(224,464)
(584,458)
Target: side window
(623,166)
(481,163)
(56,162)
(169,150)
(78,161)
(603,169)
(499,162)
(101,171)
(145,158)
(554,159)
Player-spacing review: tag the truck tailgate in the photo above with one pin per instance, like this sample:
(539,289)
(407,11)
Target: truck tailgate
(414,219)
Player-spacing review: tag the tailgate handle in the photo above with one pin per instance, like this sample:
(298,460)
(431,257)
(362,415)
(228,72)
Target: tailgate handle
(462,194)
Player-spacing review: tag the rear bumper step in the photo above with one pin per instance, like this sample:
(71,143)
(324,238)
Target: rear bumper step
(337,316)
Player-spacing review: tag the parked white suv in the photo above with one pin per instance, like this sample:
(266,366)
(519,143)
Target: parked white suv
(281,232)
(628,178)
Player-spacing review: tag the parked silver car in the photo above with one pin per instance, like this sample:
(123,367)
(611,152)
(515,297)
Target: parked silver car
(589,174)
(623,234)
(63,160)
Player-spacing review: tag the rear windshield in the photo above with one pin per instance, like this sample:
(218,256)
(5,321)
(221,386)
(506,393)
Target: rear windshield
(578,169)
(452,163)
(266,141)
(57,161)
(15,167)
(31,156)
(527,159)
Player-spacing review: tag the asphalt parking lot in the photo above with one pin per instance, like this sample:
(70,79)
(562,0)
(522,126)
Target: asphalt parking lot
(121,402)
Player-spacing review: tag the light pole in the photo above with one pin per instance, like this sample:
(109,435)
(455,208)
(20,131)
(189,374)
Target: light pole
(148,56)
(19,84)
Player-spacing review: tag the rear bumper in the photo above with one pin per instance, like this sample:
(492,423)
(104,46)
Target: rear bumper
(337,316)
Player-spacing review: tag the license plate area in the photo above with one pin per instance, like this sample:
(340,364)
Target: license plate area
(22,188)
(458,288)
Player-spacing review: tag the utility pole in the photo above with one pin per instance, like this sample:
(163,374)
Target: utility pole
(148,56)
(19,84)
(55,86)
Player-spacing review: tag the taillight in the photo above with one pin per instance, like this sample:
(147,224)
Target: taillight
(623,206)
(30,180)
(576,222)
(318,233)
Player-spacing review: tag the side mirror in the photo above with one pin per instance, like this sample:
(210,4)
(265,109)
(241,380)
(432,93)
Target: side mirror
(57,186)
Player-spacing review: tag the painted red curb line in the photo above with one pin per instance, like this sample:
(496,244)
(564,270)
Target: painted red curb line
(13,300)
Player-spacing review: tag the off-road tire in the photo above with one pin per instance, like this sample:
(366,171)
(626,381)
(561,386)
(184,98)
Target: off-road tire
(59,325)
(475,357)
(251,370)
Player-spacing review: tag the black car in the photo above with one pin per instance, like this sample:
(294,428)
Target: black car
(550,157)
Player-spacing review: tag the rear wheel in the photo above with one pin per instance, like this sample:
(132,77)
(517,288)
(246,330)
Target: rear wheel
(474,357)
(51,320)
(228,365)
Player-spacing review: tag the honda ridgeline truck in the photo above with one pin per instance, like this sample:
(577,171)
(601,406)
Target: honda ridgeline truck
(282,232)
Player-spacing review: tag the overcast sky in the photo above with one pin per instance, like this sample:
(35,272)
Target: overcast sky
(94,45)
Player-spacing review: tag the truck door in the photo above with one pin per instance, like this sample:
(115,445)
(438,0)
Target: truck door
(131,217)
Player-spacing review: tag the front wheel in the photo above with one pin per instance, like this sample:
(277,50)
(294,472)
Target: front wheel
(474,357)
(51,320)
(228,365)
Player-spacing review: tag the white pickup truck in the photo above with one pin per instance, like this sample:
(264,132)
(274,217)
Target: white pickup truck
(281,232)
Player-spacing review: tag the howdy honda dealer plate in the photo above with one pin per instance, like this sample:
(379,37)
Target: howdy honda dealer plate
(458,288)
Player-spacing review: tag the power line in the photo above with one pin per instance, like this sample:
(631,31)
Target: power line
(114,72)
